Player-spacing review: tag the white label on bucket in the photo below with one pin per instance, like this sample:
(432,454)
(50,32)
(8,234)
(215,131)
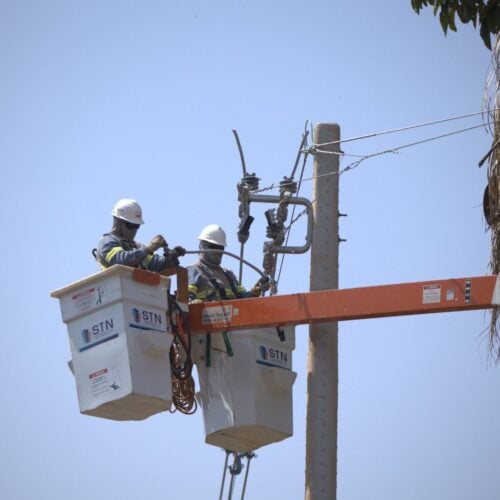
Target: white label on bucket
(431,294)
(103,382)
(87,299)
(217,314)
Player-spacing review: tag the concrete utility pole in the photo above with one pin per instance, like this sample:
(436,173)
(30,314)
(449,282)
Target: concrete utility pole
(322,366)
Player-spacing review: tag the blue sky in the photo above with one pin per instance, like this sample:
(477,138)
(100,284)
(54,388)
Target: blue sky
(105,100)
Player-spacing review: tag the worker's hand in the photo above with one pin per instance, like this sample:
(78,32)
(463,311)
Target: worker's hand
(265,283)
(179,251)
(195,301)
(261,286)
(157,242)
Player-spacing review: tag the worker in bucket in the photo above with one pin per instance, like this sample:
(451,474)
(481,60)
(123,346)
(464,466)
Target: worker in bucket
(208,280)
(119,246)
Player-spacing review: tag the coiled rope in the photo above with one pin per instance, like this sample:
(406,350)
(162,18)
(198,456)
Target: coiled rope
(181,364)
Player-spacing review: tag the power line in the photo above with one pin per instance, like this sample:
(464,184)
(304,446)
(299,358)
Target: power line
(409,127)
(293,213)
(411,144)
(395,150)
(357,163)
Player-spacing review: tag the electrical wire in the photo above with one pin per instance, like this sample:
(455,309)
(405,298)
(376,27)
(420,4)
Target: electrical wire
(181,364)
(299,185)
(315,149)
(409,127)
(299,153)
(362,158)
(357,163)
(416,143)
(234,256)
(244,168)
(240,149)
(303,143)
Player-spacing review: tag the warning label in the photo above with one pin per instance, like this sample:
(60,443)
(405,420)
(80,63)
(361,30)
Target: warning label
(431,294)
(88,298)
(103,382)
(216,315)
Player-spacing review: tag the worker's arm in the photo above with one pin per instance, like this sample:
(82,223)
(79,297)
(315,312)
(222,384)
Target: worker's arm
(157,262)
(112,252)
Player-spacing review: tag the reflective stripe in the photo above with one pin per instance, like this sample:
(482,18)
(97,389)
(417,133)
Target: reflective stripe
(211,294)
(112,253)
(194,290)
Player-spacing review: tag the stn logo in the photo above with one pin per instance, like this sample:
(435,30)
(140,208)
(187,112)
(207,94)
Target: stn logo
(271,356)
(144,319)
(97,334)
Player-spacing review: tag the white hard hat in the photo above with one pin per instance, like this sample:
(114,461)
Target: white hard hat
(213,234)
(128,210)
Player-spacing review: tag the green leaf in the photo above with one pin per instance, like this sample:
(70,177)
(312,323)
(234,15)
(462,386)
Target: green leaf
(485,34)
(451,20)
(464,13)
(416,5)
(436,7)
(474,18)
(486,13)
(443,19)
(493,19)
(496,15)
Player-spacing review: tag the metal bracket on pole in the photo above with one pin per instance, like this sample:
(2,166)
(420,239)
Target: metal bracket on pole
(273,248)
(276,219)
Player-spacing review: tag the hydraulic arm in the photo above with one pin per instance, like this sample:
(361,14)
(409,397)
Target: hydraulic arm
(423,297)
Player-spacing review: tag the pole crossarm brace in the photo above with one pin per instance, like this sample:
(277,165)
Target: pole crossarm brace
(448,295)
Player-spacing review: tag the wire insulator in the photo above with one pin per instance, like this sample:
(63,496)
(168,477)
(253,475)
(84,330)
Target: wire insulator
(249,182)
(288,187)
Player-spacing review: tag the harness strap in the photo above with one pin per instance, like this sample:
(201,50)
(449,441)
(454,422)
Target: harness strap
(231,283)
(218,288)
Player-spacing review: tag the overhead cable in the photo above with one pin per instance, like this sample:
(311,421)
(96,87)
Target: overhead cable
(292,216)
(409,127)
(240,150)
(234,256)
(362,158)
(416,143)
(356,163)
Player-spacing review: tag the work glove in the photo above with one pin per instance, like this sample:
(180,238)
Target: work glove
(261,286)
(172,255)
(179,251)
(157,242)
